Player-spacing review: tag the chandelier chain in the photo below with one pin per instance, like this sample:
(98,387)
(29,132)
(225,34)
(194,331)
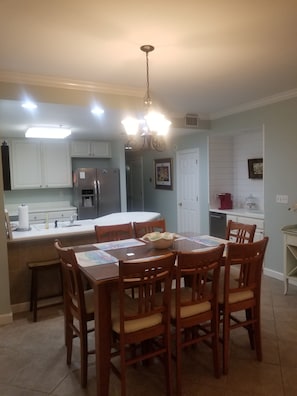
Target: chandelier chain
(147,99)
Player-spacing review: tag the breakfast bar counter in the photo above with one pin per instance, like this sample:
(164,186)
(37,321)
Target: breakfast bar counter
(37,244)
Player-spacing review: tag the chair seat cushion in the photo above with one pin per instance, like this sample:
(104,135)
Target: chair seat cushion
(131,308)
(190,310)
(233,297)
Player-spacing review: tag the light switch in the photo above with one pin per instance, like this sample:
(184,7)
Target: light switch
(282,199)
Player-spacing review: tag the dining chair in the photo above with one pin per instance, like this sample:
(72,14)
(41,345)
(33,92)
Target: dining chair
(242,294)
(143,322)
(194,306)
(240,232)
(114,232)
(144,227)
(78,309)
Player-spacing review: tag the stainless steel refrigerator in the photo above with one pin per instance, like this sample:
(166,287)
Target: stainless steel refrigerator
(96,192)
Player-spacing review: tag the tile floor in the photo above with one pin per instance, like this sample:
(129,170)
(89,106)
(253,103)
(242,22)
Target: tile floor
(33,363)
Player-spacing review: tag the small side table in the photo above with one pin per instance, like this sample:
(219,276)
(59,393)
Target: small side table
(290,255)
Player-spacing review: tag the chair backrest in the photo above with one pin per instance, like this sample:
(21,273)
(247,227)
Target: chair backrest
(200,270)
(239,232)
(114,232)
(145,277)
(74,298)
(247,259)
(144,227)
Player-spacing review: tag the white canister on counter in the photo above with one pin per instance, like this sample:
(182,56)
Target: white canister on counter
(23,212)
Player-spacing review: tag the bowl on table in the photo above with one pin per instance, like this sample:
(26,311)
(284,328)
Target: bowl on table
(160,240)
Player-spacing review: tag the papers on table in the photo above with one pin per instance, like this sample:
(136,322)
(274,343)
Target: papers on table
(94,257)
(208,240)
(125,243)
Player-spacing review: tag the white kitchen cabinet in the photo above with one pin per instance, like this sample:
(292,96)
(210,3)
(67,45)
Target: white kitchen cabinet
(36,164)
(56,161)
(93,149)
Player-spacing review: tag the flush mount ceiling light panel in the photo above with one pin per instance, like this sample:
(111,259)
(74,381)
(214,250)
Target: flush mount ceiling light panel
(48,132)
(153,127)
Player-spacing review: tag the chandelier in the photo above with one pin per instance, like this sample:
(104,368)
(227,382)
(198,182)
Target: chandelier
(149,132)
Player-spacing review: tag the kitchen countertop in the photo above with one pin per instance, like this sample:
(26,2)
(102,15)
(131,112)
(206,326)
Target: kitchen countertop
(39,231)
(257,214)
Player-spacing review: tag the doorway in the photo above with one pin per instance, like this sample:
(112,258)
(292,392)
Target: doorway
(188,205)
(134,181)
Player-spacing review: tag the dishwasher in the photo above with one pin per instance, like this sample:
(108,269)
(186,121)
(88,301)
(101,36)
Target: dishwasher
(217,224)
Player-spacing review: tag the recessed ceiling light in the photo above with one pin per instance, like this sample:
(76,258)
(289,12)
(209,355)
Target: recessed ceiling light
(48,132)
(29,105)
(97,110)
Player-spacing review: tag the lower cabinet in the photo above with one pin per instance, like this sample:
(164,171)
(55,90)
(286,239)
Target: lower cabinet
(259,234)
(52,215)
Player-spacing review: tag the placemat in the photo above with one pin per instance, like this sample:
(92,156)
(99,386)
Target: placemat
(94,257)
(125,243)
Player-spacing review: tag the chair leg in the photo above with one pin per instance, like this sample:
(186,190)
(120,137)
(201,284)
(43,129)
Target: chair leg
(69,342)
(257,334)
(34,295)
(168,365)
(226,341)
(215,346)
(83,355)
(250,328)
(178,362)
(123,370)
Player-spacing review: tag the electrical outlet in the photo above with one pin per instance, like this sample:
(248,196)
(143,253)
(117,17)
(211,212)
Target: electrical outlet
(282,199)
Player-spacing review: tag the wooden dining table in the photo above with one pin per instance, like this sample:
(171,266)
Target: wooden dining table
(99,264)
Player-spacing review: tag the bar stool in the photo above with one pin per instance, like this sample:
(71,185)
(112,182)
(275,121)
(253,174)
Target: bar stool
(37,267)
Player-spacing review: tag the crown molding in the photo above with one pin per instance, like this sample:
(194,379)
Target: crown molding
(256,104)
(56,82)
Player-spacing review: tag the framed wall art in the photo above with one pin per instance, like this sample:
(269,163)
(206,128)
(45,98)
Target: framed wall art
(255,167)
(163,173)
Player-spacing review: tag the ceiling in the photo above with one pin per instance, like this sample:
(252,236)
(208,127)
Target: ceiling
(211,58)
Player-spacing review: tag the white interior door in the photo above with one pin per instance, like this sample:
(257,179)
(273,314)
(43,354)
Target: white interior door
(188,206)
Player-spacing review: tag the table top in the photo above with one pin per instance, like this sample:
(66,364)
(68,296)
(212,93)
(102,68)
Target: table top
(99,262)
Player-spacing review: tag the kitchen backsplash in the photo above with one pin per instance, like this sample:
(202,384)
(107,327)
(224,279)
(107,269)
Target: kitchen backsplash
(228,169)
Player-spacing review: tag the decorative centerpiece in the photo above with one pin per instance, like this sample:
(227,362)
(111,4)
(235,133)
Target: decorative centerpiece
(160,240)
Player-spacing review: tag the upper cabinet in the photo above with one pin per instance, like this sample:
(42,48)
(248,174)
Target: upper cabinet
(93,149)
(36,164)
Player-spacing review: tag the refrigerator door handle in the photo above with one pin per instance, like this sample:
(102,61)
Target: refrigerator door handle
(98,189)
(96,200)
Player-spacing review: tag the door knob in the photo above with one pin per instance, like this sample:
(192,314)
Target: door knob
(180,204)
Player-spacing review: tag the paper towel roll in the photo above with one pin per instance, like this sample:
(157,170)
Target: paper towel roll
(23,212)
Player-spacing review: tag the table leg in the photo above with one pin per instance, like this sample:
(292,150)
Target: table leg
(102,337)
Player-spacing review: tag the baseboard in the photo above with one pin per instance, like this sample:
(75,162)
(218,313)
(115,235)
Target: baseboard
(278,275)
(6,319)
(25,306)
